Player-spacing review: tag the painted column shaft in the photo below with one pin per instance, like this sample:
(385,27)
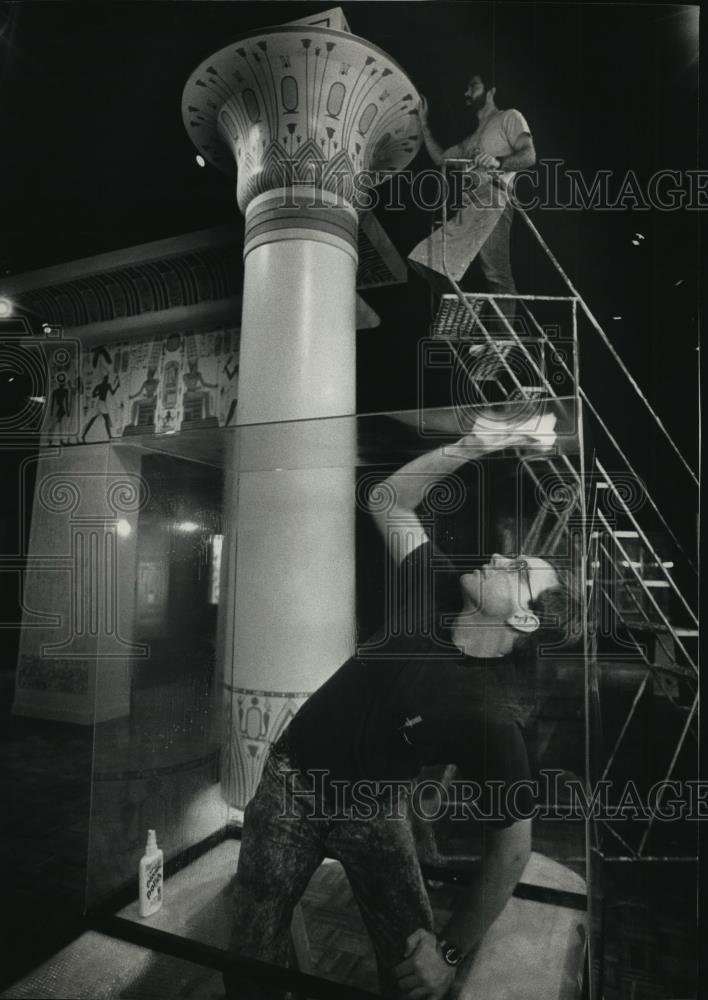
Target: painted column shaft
(298,327)
(293,602)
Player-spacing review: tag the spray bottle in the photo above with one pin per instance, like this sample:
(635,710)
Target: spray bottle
(150,877)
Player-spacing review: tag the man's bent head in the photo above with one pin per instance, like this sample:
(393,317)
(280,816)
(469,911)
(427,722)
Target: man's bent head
(528,595)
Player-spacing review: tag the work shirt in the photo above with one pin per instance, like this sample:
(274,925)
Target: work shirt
(497,135)
(411,698)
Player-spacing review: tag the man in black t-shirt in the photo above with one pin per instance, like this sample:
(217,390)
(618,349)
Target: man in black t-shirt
(435,686)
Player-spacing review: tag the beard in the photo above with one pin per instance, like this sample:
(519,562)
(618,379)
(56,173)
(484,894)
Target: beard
(476,103)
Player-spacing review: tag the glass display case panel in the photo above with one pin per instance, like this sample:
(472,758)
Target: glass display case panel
(159,726)
(252,569)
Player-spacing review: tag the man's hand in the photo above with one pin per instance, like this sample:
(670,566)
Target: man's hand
(422,110)
(423,974)
(487,161)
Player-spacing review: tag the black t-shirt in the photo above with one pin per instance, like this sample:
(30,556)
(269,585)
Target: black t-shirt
(410,698)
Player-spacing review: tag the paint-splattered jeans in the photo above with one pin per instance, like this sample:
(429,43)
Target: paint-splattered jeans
(281,847)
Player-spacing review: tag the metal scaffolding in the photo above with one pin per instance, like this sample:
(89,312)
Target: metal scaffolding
(644,599)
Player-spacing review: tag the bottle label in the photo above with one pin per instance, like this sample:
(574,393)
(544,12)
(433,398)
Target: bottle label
(153,882)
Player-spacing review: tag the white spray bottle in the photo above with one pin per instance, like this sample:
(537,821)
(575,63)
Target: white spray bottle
(150,877)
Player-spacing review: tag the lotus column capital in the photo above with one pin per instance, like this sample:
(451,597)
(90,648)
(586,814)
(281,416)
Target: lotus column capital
(301,105)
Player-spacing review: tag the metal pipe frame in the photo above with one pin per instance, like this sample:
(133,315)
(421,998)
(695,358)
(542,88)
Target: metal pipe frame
(640,581)
(598,328)
(670,771)
(655,668)
(651,671)
(669,653)
(560,529)
(646,541)
(585,398)
(463,298)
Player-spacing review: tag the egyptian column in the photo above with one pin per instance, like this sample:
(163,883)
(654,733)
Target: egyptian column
(299,112)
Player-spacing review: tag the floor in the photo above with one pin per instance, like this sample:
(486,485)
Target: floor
(98,967)
(547,939)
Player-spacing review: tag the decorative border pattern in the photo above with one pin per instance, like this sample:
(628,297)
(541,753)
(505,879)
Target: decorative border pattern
(258,719)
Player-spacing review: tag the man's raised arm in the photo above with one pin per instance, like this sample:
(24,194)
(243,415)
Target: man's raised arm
(435,151)
(408,486)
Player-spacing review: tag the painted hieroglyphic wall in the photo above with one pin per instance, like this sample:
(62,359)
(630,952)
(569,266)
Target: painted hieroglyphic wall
(161,385)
